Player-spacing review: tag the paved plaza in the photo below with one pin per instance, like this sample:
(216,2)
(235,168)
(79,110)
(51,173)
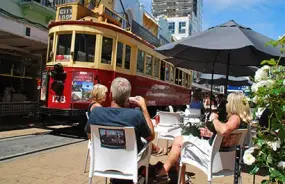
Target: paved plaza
(65,165)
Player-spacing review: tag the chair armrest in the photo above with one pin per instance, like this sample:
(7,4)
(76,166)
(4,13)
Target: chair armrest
(144,149)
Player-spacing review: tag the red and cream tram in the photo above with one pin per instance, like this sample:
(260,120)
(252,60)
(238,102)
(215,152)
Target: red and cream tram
(90,46)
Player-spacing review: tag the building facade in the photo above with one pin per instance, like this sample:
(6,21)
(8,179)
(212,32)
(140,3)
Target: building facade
(184,17)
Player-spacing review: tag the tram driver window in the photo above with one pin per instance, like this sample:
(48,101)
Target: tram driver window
(148,69)
(171,75)
(120,48)
(84,47)
(176,76)
(50,47)
(107,47)
(140,61)
(167,72)
(64,44)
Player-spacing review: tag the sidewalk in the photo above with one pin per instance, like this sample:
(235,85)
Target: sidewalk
(65,165)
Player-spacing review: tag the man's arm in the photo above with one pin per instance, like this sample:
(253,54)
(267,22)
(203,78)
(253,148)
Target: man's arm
(141,102)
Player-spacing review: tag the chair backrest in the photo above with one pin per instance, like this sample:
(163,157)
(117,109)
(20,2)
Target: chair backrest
(116,150)
(169,118)
(223,150)
(87,115)
(170,108)
(193,112)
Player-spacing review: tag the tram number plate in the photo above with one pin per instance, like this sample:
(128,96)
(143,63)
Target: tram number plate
(58,99)
(65,13)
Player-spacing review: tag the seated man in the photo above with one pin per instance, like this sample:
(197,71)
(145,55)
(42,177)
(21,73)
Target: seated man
(116,115)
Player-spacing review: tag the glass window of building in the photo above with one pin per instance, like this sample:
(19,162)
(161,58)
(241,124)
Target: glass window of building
(107,48)
(182,27)
(84,47)
(156,67)
(50,47)
(128,57)
(64,44)
(195,7)
(171,27)
(120,49)
(140,61)
(148,64)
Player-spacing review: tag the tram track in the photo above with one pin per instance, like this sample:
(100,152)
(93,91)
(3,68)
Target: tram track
(17,146)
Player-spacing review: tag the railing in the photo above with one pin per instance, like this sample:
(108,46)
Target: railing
(142,32)
(50,3)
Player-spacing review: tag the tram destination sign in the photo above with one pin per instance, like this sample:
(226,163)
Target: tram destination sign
(65,13)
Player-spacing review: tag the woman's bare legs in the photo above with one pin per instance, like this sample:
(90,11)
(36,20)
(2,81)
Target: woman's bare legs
(173,156)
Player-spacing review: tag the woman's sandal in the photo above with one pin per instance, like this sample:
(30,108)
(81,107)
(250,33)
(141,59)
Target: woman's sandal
(163,179)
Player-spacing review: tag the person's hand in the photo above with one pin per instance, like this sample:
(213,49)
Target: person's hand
(205,132)
(140,101)
(214,116)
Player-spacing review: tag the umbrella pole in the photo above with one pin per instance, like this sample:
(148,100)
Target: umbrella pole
(227,74)
(212,81)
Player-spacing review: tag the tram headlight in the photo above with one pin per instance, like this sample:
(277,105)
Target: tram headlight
(59,77)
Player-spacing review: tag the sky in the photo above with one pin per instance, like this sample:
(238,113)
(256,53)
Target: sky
(264,16)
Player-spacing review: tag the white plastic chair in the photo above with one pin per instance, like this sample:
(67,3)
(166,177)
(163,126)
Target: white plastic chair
(170,108)
(117,163)
(222,160)
(88,148)
(168,127)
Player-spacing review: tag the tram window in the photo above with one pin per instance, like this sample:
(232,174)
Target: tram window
(50,48)
(167,72)
(140,61)
(171,74)
(64,44)
(84,47)
(156,67)
(148,69)
(180,78)
(128,57)
(176,76)
(120,48)
(185,79)
(162,70)
(107,47)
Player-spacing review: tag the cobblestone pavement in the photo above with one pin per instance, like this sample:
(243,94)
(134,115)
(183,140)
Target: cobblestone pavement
(65,165)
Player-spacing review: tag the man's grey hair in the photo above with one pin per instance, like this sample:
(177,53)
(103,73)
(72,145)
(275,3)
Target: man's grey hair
(121,90)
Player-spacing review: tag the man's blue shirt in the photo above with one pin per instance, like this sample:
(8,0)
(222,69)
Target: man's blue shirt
(121,117)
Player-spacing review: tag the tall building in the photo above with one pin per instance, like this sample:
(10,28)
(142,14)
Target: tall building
(184,16)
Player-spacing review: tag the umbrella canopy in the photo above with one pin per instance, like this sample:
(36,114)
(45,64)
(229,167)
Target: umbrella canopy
(221,80)
(220,68)
(229,43)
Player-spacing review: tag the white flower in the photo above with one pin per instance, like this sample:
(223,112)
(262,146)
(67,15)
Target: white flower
(248,158)
(274,145)
(263,83)
(261,74)
(249,151)
(254,99)
(284,82)
(281,164)
(265,67)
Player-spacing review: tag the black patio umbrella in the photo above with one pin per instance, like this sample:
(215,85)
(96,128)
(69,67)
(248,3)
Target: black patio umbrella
(230,45)
(221,80)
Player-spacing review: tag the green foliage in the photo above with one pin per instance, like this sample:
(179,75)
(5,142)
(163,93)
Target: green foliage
(269,142)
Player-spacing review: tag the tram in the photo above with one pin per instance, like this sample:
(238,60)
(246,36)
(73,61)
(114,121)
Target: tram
(90,46)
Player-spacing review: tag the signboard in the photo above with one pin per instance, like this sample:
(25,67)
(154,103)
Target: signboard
(63,58)
(65,13)
(82,85)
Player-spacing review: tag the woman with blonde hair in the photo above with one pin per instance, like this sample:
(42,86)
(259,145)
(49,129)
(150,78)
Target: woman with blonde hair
(238,115)
(98,96)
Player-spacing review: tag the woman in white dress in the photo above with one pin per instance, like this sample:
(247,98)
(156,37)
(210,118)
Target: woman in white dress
(237,112)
